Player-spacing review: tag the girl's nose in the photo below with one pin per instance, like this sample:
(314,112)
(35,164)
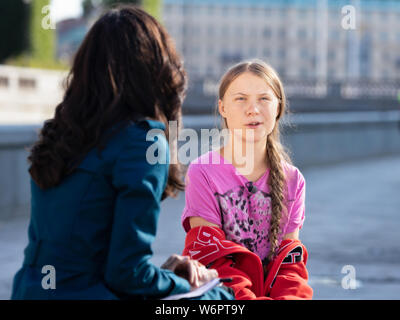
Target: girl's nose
(252,108)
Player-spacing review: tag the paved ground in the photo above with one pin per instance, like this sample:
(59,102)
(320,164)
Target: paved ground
(352,218)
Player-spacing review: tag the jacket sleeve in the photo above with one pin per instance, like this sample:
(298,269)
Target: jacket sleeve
(210,247)
(139,186)
(290,282)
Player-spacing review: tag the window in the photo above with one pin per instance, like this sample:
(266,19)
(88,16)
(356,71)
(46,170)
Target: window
(334,35)
(304,53)
(27,83)
(331,55)
(398,63)
(302,33)
(304,72)
(267,32)
(282,33)
(4,81)
(282,53)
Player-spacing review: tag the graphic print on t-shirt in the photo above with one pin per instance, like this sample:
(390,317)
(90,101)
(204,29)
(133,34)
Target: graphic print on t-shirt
(246,217)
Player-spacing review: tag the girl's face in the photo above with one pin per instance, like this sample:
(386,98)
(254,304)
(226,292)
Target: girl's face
(249,103)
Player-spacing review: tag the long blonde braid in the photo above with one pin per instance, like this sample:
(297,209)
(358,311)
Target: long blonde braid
(278,191)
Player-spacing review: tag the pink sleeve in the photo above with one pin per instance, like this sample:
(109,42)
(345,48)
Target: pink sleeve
(199,198)
(297,213)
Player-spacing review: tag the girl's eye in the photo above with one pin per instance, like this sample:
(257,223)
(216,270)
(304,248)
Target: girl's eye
(265,98)
(240,99)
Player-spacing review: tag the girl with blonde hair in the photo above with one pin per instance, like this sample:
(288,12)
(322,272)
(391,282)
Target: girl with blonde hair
(261,207)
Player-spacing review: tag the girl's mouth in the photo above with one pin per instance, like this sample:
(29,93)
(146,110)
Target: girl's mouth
(253,125)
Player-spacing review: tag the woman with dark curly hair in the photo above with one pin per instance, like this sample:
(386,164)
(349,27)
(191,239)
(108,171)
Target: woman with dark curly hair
(95,198)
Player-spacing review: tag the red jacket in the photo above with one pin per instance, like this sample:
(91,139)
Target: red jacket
(286,276)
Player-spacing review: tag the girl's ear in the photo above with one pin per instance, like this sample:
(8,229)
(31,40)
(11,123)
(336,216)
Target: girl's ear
(221,108)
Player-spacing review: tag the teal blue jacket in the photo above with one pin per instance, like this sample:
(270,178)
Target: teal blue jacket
(95,229)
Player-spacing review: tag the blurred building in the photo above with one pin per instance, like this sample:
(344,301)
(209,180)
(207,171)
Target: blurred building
(70,33)
(29,95)
(301,39)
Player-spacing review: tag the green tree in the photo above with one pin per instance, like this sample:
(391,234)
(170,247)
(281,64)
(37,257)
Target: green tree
(39,51)
(153,7)
(14,21)
(42,35)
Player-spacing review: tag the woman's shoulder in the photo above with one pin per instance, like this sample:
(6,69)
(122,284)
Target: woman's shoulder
(127,140)
(143,125)
(147,138)
(141,132)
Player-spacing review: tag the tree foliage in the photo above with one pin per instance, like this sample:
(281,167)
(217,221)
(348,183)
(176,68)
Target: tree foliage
(42,39)
(14,22)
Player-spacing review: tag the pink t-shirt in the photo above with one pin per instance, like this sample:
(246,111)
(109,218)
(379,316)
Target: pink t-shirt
(217,192)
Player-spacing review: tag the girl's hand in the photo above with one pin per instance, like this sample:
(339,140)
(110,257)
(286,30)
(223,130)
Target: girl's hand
(191,270)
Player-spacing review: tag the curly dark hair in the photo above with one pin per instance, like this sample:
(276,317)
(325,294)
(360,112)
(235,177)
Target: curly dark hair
(126,68)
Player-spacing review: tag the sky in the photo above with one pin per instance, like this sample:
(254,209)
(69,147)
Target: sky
(63,9)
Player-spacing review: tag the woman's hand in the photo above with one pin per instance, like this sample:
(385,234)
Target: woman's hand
(191,270)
